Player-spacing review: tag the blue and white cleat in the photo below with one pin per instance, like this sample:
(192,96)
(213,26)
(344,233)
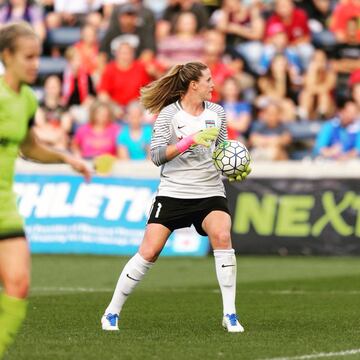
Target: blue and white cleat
(231,323)
(109,322)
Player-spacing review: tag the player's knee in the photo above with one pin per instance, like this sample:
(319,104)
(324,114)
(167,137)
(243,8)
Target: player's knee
(221,239)
(149,254)
(17,285)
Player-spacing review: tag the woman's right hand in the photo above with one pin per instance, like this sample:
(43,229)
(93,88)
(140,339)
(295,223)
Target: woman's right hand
(205,137)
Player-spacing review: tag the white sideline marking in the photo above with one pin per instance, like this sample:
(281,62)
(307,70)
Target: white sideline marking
(318,355)
(61,289)
(64,289)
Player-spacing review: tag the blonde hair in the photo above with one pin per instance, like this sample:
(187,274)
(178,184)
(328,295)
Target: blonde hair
(11,32)
(95,106)
(171,87)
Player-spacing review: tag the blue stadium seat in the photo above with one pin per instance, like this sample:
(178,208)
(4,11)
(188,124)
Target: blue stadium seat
(63,36)
(50,66)
(304,130)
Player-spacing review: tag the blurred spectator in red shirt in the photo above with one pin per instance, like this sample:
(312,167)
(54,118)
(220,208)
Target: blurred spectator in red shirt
(316,98)
(344,11)
(78,87)
(295,22)
(277,43)
(53,122)
(244,28)
(269,137)
(98,136)
(122,78)
(175,7)
(88,49)
(183,45)
(213,54)
(25,10)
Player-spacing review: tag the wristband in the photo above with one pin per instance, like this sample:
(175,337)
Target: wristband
(185,143)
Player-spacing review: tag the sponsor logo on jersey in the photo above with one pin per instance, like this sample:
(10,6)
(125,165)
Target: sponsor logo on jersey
(210,123)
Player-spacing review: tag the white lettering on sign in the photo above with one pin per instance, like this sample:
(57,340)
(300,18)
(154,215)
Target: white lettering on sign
(58,200)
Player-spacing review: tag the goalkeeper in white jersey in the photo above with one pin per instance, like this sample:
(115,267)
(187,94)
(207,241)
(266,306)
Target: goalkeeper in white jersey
(187,129)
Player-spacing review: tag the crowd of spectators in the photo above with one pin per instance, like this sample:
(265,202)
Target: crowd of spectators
(286,71)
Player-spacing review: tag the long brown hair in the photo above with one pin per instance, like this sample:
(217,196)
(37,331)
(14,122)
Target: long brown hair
(171,87)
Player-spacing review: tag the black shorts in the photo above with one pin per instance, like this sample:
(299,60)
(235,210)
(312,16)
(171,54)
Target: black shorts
(13,235)
(180,213)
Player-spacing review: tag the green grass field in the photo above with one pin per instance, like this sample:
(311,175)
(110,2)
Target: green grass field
(290,307)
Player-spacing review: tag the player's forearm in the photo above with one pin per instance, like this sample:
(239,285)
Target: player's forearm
(32,149)
(162,154)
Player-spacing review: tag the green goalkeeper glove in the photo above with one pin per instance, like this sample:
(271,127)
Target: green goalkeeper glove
(203,137)
(242,176)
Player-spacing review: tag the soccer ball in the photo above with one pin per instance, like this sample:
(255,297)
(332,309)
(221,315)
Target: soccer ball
(231,157)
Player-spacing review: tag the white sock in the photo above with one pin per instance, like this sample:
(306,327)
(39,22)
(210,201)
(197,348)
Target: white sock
(225,264)
(132,273)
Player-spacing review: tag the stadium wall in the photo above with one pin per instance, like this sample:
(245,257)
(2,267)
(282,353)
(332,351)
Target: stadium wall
(283,208)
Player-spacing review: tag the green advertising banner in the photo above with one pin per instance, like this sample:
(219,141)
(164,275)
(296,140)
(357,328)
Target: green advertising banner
(295,216)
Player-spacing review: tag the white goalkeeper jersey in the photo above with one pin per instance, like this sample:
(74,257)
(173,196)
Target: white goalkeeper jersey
(191,174)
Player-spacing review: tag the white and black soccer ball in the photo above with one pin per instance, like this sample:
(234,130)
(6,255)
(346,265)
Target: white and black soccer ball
(231,157)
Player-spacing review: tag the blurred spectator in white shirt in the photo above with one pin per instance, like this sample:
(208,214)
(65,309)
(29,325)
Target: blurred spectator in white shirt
(73,12)
(25,10)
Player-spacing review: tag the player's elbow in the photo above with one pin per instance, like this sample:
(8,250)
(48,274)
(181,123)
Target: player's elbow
(158,155)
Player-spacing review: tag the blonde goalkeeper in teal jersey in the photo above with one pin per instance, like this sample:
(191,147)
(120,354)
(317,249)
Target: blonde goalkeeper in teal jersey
(19,49)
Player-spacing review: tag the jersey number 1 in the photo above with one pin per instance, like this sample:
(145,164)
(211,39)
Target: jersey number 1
(159,206)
